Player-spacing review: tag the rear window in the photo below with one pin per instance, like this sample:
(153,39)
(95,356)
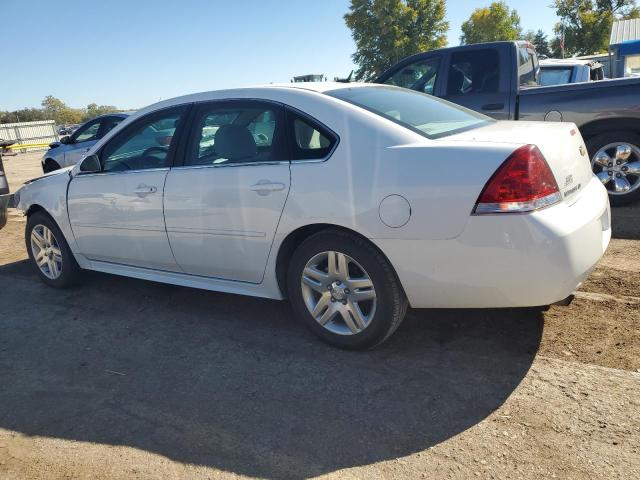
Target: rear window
(555,76)
(424,114)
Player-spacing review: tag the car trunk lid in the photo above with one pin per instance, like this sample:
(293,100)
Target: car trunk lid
(560,143)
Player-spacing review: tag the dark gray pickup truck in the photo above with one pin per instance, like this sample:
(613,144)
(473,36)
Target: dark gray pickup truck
(501,79)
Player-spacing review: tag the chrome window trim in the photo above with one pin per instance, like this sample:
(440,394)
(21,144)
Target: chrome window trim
(95,174)
(229,165)
(285,106)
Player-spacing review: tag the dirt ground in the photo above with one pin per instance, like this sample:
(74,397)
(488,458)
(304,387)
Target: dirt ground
(122,378)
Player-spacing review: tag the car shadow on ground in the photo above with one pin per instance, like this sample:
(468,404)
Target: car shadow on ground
(625,222)
(236,383)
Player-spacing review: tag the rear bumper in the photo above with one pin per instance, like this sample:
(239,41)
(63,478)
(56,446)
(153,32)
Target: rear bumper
(507,260)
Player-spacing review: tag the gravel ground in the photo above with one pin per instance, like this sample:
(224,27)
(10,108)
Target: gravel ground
(121,378)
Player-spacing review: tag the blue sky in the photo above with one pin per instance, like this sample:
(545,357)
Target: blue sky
(130,53)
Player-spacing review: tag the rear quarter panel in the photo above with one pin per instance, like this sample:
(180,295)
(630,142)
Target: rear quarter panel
(376,158)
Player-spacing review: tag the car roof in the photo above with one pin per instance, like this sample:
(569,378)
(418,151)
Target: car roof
(252,92)
(320,87)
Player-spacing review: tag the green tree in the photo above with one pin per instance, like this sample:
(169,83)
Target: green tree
(529,35)
(386,31)
(55,109)
(52,106)
(22,115)
(94,110)
(587,24)
(491,24)
(542,44)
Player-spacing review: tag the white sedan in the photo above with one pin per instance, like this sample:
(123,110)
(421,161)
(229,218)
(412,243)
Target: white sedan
(352,201)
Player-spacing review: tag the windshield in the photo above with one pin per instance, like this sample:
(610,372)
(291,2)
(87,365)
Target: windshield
(424,114)
(555,76)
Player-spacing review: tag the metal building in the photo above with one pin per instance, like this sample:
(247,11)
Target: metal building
(624,46)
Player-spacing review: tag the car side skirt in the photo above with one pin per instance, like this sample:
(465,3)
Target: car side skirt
(183,280)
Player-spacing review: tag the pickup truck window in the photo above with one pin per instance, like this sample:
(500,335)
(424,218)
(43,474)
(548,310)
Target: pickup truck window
(420,76)
(526,68)
(555,76)
(475,71)
(632,65)
(423,114)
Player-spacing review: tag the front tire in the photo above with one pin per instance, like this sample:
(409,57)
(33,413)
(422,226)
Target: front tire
(344,290)
(49,252)
(615,159)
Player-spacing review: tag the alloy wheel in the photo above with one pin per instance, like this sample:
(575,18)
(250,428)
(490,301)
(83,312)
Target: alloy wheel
(46,251)
(338,293)
(617,165)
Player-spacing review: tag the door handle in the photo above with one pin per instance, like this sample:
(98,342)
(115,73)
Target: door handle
(265,187)
(493,106)
(143,190)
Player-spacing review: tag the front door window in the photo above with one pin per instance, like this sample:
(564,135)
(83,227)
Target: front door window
(146,145)
(420,76)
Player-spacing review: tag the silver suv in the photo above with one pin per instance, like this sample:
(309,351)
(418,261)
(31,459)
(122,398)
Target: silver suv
(69,150)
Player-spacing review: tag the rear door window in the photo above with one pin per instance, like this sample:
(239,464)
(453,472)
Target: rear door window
(237,132)
(475,71)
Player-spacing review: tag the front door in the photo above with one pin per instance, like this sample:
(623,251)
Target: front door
(223,205)
(117,214)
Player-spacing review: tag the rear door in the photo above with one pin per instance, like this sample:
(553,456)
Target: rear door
(475,78)
(223,204)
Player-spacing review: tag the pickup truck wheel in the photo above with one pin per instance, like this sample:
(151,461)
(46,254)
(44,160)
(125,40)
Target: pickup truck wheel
(615,159)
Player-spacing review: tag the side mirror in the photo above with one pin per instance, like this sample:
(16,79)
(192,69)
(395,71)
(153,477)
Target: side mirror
(66,140)
(91,164)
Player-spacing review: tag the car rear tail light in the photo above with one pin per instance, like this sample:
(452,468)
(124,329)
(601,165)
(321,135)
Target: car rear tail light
(524,182)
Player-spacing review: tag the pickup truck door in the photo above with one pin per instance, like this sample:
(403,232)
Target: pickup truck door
(479,79)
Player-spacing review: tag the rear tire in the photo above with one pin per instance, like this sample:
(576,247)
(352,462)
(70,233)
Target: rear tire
(607,143)
(356,305)
(49,252)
